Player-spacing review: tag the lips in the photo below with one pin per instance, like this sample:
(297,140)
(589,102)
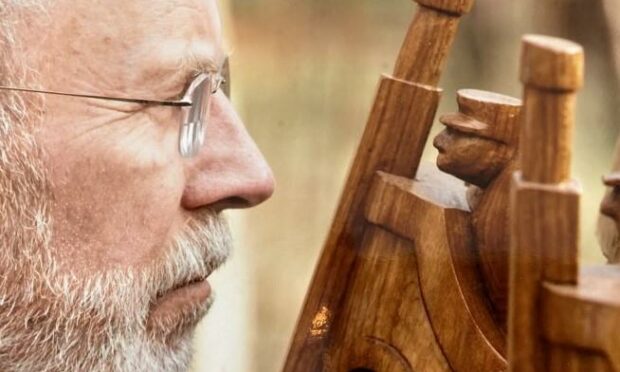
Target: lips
(178,310)
(439,142)
(197,279)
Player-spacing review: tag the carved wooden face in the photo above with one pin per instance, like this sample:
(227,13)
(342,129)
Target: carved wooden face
(473,159)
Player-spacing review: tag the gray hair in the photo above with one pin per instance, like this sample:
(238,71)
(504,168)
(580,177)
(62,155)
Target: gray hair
(24,188)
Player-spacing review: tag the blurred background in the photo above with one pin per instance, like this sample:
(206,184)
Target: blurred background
(304,75)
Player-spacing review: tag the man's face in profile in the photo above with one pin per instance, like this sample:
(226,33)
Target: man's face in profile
(112,233)
(472,158)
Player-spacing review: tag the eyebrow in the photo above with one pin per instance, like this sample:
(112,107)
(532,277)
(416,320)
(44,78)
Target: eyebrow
(191,65)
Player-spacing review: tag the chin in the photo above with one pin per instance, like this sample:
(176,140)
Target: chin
(150,355)
(447,166)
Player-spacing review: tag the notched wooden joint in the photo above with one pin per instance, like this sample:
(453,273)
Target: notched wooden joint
(551,63)
(458,7)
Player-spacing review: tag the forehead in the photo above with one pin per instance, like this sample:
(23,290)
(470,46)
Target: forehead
(128,40)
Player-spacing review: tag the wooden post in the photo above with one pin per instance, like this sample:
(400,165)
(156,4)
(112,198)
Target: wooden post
(544,201)
(393,142)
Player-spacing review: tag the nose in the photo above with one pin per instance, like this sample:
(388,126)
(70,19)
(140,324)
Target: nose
(229,171)
(440,141)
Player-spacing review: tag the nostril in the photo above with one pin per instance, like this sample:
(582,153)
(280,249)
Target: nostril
(233,202)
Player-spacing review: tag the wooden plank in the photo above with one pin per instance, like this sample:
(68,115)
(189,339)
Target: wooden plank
(545,226)
(389,142)
(581,319)
(384,326)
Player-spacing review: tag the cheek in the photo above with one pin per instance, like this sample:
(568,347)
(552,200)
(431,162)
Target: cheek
(457,153)
(113,209)
(474,153)
(117,183)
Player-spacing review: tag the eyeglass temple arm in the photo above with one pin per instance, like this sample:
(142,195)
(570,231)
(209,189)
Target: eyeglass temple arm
(181,103)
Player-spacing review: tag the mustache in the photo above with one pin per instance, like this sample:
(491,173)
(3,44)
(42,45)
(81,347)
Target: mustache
(202,246)
(121,298)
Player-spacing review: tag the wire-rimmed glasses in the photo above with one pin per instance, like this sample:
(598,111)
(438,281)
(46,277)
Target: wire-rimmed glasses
(194,104)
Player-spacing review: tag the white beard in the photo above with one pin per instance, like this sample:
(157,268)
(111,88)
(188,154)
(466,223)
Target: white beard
(53,320)
(58,322)
(608,238)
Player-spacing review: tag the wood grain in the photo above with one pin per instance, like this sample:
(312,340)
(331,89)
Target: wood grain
(384,324)
(550,63)
(442,239)
(457,7)
(544,239)
(544,202)
(393,141)
(386,144)
(490,122)
(428,39)
(584,318)
(551,71)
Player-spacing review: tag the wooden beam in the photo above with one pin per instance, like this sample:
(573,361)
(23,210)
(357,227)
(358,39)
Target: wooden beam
(544,200)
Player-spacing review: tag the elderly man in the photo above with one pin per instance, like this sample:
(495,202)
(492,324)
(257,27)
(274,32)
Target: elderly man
(110,203)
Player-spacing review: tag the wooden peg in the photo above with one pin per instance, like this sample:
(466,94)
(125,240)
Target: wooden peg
(550,63)
(544,201)
(551,70)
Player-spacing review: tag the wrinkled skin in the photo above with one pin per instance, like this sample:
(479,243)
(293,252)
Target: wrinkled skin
(120,186)
(121,192)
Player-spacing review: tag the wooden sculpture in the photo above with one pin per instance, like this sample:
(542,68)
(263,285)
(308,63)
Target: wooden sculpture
(479,146)
(414,279)
(393,142)
(561,318)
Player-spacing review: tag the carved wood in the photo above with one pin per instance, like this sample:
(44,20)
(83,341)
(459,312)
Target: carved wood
(491,121)
(393,141)
(443,248)
(414,278)
(561,319)
(545,202)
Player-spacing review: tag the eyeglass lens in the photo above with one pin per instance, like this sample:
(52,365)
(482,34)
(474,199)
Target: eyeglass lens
(191,137)
(192,132)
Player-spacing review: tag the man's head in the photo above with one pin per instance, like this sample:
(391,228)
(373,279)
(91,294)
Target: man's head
(481,138)
(110,232)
